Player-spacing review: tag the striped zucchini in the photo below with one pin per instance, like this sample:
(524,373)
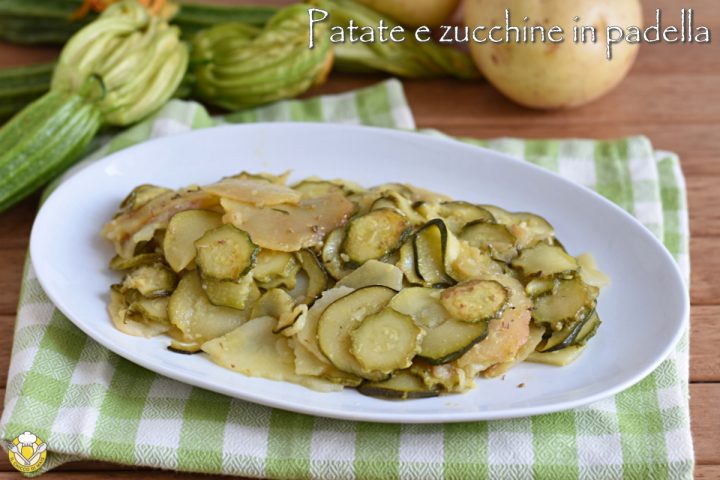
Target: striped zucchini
(42,141)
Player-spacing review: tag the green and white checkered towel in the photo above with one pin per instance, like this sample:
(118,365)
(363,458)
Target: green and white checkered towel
(88,403)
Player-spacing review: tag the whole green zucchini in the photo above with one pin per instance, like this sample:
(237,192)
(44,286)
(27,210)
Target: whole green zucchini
(21,85)
(117,70)
(42,141)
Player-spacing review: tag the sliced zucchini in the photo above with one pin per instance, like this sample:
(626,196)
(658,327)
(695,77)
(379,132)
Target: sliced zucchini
(154,280)
(449,340)
(406,263)
(266,177)
(558,358)
(430,249)
(494,238)
(182,232)
(475,300)
(401,386)
(197,319)
(227,293)
(399,203)
(150,309)
(290,323)
(421,304)
(141,195)
(572,299)
(119,263)
(385,341)
(185,348)
(273,303)
(374,235)
(545,260)
(374,272)
(557,340)
(538,287)
(331,254)
(317,276)
(276,269)
(457,214)
(225,253)
(340,319)
(589,329)
(308,334)
(131,324)
(531,229)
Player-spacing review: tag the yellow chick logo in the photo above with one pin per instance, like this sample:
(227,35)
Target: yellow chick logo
(27,452)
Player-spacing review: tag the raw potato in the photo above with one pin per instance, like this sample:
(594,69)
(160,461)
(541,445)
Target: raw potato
(415,13)
(554,75)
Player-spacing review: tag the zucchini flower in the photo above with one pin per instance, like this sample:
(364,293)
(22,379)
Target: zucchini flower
(137,59)
(239,66)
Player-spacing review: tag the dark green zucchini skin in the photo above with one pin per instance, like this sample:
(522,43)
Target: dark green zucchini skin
(42,141)
(571,335)
(48,21)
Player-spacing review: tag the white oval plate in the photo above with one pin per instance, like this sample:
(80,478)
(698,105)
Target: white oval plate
(643,311)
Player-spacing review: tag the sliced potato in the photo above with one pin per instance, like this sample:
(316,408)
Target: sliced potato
(289,228)
(371,273)
(317,276)
(195,317)
(182,232)
(254,350)
(256,192)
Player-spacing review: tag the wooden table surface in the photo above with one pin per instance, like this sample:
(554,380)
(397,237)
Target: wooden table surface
(672,95)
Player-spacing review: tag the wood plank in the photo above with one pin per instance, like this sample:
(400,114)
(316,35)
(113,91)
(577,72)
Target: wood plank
(10,279)
(704,203)
(705,288)
(704,341)
(707,472)
(705,422)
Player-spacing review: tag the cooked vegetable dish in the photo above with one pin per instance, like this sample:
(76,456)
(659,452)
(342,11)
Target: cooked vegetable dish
(394,290)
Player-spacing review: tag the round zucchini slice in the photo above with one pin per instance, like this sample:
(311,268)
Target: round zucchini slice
(457,214)
(571,300)
(225,253)
(120,263)
(490,237)
(154,280)
(374,235)
(386,341)
(338,321)
(545,260)
(450,340)
(475,300)
(402,385)
(227,293)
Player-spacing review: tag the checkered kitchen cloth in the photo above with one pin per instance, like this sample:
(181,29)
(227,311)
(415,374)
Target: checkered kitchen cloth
(88,403)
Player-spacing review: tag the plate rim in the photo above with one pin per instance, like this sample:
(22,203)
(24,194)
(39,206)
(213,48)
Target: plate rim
(344,414)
